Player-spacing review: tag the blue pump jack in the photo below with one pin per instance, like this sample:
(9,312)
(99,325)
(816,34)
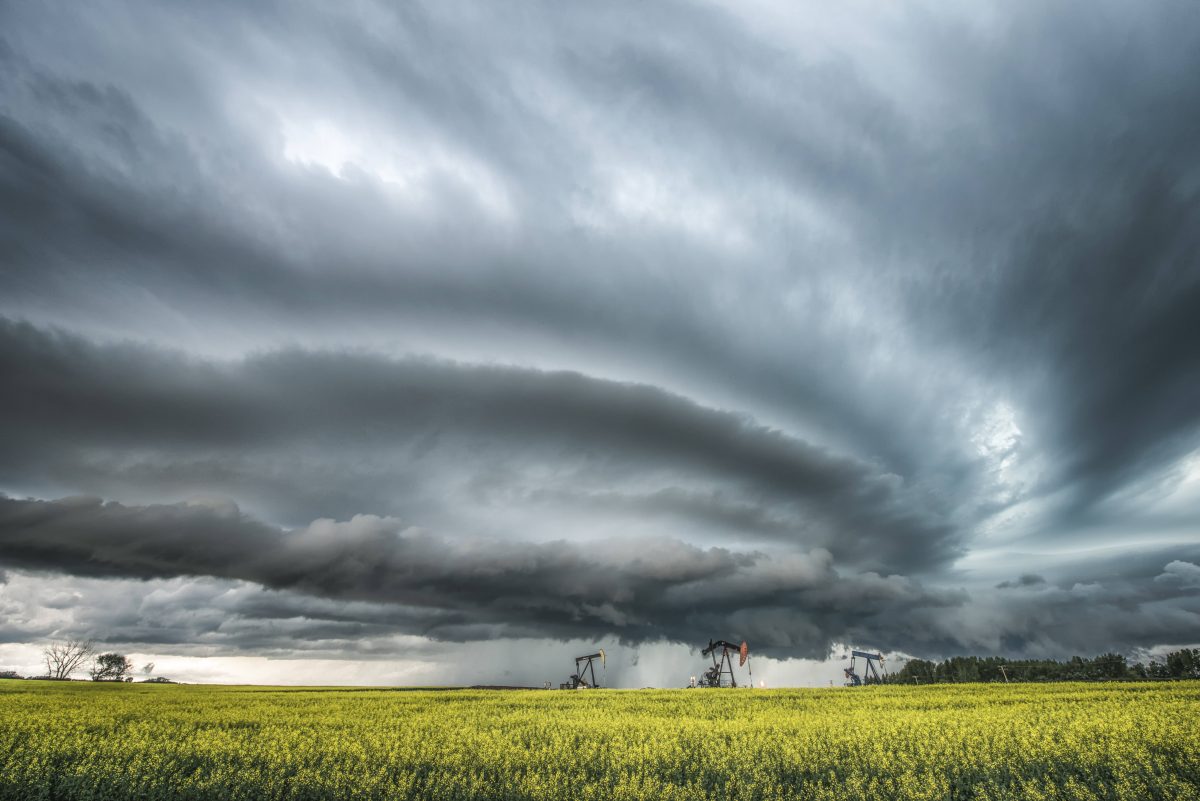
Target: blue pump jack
(872,673)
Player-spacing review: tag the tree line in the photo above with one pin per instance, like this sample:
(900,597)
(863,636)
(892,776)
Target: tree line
(1182,664)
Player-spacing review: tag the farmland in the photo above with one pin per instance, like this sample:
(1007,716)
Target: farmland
(1062,741)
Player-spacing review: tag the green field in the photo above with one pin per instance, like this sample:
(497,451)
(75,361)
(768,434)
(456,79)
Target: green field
(1051,741)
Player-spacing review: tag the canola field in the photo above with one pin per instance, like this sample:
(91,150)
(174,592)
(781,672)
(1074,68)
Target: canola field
(1052,741)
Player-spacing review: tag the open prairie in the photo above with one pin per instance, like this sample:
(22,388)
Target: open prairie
(1059,741)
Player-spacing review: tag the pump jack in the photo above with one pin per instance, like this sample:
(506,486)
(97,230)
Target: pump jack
(871,675)
(722,665)
(584,666)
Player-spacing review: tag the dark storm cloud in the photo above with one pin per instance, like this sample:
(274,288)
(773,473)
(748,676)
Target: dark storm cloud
(206,617)
(896,286)
(660,589)
(1108,318)
(1078,280)
(94,192)
(1024,580)
(1063,186)
(83,404)
(352,585)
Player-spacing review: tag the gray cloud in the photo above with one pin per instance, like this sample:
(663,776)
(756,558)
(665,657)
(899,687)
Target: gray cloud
(1024,580)
(634,291)
(1111,212)
(1182,574)
(213,618)
(464,590)
(421,423)
(364,580)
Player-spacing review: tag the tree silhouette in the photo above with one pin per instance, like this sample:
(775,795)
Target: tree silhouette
(64,658)
(111,667)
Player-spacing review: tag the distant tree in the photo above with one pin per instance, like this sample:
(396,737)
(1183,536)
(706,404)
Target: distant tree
(915,671)
(64,658)
(1110,666)
(111,667)
(1184,664)
(9,674)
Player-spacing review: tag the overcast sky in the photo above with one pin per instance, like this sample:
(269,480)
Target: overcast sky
(358,343)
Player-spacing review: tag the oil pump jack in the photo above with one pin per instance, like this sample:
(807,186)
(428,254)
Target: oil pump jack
(721,672)
(584,666)
(870,674)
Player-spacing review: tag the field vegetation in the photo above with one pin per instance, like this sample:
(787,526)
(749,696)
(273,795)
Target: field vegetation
(76,740)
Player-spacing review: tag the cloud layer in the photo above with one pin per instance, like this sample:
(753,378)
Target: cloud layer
(649,590)
(369,577)
(400,431)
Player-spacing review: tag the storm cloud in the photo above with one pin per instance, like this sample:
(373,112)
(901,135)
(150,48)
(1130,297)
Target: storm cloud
(373,576)
(649,590)
(419,423)
(810,326)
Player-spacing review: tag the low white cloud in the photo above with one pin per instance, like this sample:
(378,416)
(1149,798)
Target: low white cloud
(1180,573)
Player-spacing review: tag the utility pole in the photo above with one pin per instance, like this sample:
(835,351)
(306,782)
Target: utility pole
(1004,673)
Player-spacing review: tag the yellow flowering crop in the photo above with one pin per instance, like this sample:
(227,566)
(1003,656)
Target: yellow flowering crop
(1027,741)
